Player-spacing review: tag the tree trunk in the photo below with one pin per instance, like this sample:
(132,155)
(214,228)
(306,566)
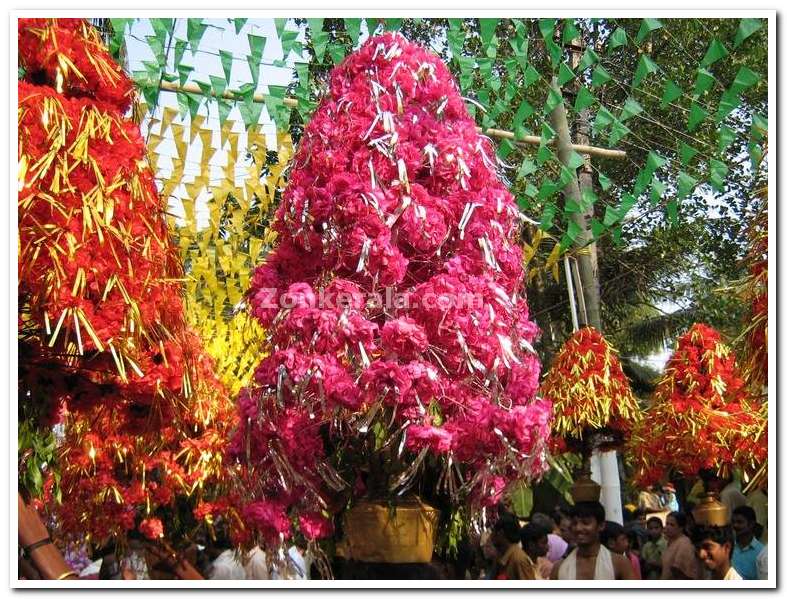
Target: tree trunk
(586,259)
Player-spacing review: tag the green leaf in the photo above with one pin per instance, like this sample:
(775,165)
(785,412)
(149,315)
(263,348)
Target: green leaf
(161,27)
(239,23)
(617,39)
(671,92)
(528,167)
(703,81)
(600,76)
(718,173)
(180,48)
(553,100)
(487,29)
(726,137)
(184,70)
(206,90)
(547,132)
(571,234)
(194,30)
(697,114)
(320,41)
(645,67)
(744,79)
(611,216)
(531,76)
(655,162)
(548,188)
(657,192)
(589,58)
(584,99)
(393,24)
(353,27)
(617,132)
(647,27)
(337,52)
(546,27)
(570,31)
(603,119)
(565,75)
(157,47)
(226,63)
(687,153)
(257,46)
(729,101)
(544,155)
(225,108)
(716,51)
(686,184)
(219,84)
(672,212)
(547,216)
(250,112)
(524,111)
(604,181)
(630,109)
(746,28)
(597,227)
(575,161)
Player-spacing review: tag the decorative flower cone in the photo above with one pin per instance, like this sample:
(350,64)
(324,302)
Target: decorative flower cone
(102,325)
(700,417)
(592,398)
(395,306)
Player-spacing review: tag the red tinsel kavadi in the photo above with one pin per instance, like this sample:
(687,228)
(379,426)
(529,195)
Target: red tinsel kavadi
(700,417)
(588,389)
(101,313)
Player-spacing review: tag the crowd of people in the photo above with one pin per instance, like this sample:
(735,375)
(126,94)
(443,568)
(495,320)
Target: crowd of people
(658,540)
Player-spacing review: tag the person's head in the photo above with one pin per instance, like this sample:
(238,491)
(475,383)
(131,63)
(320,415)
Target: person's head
(587,522)
(744,522)
(505,532)
(535,540)
(655,528)
(640,517)
(714,546)
(564,527)
(675,525)
(544,521)
(614,537)
(713,482)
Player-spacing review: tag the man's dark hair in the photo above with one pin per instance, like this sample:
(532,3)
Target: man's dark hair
(747,512)
(589,509)
(637,513)
(532,532)
(655,519)
(717,534)
(508,525)
(612,530)
(680,518)
(543,520)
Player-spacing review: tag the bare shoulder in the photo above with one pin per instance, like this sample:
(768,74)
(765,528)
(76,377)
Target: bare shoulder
(622,566)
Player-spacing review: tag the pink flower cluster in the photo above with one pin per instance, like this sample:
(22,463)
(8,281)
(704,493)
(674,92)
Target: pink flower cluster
(392,187)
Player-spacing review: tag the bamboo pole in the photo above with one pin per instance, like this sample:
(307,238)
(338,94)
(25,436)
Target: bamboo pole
(533,140)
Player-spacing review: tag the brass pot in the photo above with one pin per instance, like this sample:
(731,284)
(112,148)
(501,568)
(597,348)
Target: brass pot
(398,533)
(711,512)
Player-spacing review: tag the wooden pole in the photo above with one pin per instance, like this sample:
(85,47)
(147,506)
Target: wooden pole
(34,538)
(532,140)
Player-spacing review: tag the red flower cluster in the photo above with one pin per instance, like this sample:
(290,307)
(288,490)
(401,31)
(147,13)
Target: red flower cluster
(701,417)
(392,194)
(102,320)
(589,390)
(69,55)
